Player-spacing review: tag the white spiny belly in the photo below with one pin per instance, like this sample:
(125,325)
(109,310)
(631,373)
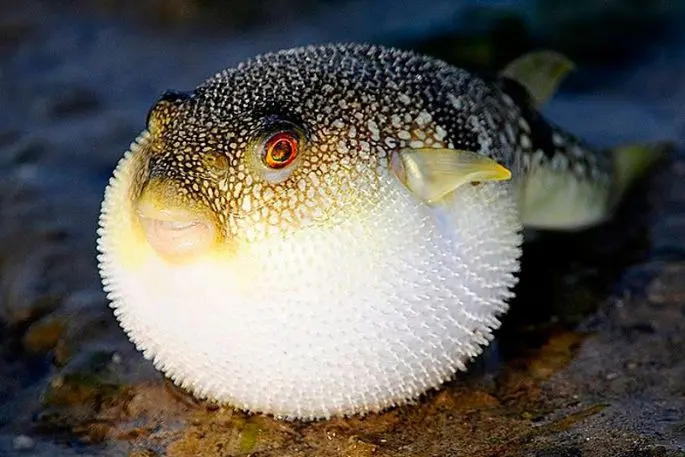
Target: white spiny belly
(334,321)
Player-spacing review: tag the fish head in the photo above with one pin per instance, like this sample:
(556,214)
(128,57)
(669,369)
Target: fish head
(250,157)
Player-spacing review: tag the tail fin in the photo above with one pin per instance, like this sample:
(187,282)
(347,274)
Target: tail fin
(632,161)
(556,199)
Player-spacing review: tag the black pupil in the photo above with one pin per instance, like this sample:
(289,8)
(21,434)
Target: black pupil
(281,150)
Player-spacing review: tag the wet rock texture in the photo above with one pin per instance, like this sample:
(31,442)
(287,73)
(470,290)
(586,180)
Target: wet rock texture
(590,362)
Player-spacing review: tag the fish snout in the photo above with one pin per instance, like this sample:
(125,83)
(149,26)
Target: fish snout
(175,228)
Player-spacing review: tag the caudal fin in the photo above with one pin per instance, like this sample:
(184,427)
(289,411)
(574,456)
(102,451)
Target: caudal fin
(553,198)
(632,161)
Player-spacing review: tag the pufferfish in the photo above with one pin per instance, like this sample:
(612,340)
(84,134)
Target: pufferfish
(335,230)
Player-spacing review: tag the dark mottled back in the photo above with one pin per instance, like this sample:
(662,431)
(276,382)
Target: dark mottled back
(355,105)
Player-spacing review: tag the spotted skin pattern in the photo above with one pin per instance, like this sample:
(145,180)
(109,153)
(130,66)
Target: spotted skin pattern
(355,104)
(544,144)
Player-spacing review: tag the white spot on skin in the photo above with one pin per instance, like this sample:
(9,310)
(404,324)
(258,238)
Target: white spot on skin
(317,213)
(577,151)
(525,141)
(489,120)
(538,157)
(373,127)
(404,135)
(404,98)
(247,203)
(508,100)
(502,138)
(440,133)
(558,140)
(420,134)
(560,162)
(237,189)
(423,119)
(313,178)
(342,147)
(455,101)
(256,217)
(526,161)
(416,144)
(511,135)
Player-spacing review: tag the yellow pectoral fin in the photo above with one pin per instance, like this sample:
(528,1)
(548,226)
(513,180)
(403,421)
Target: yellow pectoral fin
(540,73)
(433,173)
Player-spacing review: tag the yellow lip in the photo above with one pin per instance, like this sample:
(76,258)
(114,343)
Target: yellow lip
(177,232)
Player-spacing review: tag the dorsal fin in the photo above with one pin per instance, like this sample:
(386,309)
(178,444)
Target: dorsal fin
(534,77)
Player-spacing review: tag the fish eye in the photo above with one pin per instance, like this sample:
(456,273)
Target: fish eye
(280,150)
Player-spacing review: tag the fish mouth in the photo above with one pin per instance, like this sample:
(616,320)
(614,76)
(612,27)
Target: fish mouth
(177,232)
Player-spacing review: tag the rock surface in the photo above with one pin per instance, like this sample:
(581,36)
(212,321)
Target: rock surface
(590,361)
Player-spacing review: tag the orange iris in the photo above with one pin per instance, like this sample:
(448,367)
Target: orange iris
(280,150)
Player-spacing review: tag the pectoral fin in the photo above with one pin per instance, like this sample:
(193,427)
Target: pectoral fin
(433,173)
(540,73)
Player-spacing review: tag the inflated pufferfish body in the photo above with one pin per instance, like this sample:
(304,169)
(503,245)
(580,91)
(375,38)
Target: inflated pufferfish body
(334,230)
